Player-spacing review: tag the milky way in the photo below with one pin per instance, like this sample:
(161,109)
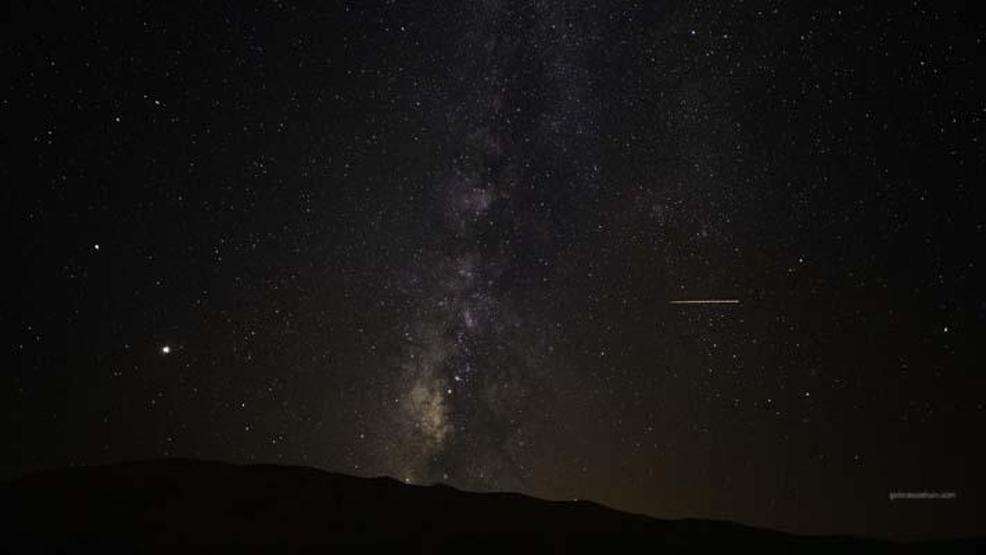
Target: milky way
(471,363)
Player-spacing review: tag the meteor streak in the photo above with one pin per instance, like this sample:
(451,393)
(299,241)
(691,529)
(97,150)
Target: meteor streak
(708,301)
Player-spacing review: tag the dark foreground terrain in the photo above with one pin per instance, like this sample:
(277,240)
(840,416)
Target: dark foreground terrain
(174,505)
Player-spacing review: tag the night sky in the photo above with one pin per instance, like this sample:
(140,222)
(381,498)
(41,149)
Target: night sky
(442,241)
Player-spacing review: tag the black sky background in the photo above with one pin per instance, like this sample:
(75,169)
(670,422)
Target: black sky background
(438,241)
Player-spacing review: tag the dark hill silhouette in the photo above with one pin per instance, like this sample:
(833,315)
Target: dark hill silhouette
(179,504)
